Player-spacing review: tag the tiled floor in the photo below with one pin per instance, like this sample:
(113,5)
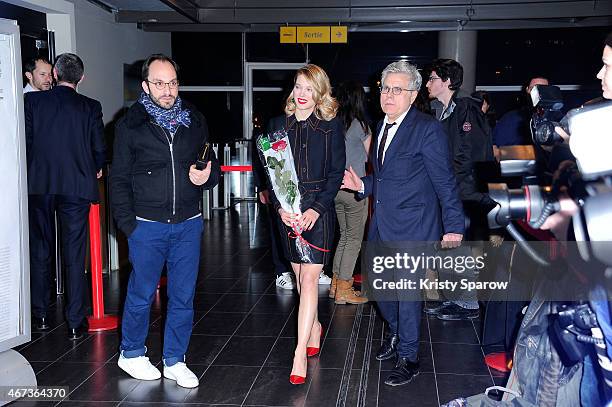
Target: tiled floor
(243,341)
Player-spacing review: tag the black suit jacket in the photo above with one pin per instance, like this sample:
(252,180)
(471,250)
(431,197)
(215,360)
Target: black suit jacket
(64,141)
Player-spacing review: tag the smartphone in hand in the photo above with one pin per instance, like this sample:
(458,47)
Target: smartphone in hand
(203,157)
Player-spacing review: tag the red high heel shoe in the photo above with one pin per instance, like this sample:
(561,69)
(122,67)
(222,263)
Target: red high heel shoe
(295,379)
(311,350)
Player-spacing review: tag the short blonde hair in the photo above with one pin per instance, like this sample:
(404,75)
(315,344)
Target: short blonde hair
(326,106)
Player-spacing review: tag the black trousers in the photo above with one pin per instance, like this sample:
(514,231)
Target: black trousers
(73,216)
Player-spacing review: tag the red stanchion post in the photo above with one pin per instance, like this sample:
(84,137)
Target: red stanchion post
(98,321)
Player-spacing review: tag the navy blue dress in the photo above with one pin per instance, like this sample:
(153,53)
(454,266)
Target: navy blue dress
(319,155)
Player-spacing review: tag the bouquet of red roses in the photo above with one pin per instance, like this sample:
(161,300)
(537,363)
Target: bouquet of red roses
(278,159)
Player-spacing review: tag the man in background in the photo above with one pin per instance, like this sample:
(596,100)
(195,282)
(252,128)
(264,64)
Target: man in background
(513,127)
(470,145)
(38,73)
(65,155)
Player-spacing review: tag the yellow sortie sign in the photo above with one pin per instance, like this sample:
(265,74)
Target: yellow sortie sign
(287,35)
(320,35)
(313,34)
(339,34)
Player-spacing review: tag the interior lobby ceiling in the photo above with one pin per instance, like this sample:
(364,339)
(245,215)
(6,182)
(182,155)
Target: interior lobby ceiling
(358,15)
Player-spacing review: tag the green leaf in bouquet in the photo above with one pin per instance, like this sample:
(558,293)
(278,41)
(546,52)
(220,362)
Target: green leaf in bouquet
(264,143)
(281,163)
(291,197)
(291,192)
(286,177)
(272,162)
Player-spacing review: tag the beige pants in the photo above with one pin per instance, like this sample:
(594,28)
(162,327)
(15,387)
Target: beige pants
(352,216)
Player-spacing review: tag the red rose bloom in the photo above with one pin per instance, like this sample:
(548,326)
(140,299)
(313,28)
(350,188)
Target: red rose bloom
(279,145)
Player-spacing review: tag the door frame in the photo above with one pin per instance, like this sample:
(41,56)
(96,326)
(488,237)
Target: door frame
(247,98)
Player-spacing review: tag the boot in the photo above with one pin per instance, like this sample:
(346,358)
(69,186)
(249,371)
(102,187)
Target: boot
(345,293)
(332,287)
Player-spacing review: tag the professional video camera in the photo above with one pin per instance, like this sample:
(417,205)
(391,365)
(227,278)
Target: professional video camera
(588,183)
(547,102)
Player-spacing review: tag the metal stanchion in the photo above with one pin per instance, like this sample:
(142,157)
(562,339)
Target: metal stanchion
(242,154)
(227,180)
(206,209)
(215,190)
(98,321)
(226,170)
(111,230)
(59,275)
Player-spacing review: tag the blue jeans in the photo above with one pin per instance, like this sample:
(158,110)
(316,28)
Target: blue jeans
(151,245)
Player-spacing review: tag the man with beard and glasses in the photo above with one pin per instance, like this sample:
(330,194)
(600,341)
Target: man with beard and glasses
(156,193)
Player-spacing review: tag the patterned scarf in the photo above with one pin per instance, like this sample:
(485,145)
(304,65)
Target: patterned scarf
(169,119)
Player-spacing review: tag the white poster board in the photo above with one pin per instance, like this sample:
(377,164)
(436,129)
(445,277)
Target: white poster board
(14,252)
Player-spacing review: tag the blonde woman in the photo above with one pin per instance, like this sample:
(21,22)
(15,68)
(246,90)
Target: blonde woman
(316,137)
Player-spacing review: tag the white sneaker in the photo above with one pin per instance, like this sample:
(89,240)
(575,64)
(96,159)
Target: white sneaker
(139,368)
(324,280)
(181,373)
(285,281)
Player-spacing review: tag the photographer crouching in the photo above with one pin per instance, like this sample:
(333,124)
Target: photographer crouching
(564,348)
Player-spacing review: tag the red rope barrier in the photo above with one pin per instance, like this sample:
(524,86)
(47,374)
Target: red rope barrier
(98,321)
(236,168)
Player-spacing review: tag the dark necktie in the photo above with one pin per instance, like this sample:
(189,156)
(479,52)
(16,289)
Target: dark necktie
(383,141)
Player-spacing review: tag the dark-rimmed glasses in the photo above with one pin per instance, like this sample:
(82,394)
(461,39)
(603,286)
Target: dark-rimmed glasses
(396,90)
(161,85)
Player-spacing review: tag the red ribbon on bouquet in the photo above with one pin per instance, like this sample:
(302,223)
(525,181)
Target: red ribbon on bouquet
(294,234)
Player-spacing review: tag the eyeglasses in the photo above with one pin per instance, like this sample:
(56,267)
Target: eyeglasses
(396,90)
(161,85)
(433,78)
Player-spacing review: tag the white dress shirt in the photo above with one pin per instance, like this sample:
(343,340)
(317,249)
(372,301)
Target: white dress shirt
(390,135)
(29,88)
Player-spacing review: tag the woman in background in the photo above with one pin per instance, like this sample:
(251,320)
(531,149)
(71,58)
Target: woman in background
(352,213)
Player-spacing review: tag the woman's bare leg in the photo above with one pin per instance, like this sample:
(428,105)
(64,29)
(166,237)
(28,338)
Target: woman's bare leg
(307,277)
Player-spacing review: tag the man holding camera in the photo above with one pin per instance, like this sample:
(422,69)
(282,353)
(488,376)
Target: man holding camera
(595,386)
(156,193)
(513,127)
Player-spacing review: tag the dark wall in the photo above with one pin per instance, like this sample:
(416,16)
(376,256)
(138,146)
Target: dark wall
(564,56)
(214,59)
(32,26)
(30,22)
(505,57)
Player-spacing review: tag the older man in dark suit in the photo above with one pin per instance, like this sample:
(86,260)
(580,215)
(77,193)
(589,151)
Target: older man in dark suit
(65,155)
(415,199)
